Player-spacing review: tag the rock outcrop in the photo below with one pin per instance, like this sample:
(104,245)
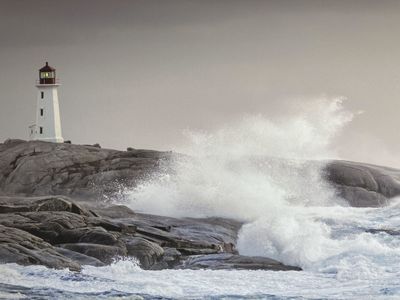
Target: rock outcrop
(86,172)
(91,173)
(21,247)
(57,232)
(52,210)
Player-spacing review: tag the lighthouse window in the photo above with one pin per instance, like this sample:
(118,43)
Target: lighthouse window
(44,75)
(41,111)
(41,95)
(41,130)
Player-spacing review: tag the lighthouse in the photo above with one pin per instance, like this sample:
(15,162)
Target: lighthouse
(48,122)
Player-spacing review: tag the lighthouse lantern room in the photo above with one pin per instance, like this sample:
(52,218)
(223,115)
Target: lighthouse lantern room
(48,121)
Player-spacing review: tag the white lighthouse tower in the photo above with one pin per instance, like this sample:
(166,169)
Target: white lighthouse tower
(48,122)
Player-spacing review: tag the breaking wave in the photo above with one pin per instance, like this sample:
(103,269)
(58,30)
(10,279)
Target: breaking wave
(249,169)
(269,174)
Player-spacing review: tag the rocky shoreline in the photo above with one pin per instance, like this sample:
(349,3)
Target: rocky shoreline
(52,210)
(56,232)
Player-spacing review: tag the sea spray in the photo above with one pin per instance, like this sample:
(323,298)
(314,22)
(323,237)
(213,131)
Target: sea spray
(266,173)
(244,168)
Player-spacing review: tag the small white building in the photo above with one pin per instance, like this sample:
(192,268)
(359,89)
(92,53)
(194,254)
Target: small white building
(48,122)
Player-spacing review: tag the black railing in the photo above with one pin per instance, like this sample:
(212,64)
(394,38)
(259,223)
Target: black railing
(47,81)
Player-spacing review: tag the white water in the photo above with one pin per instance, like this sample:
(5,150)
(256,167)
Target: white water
(366,267)
(227,173)
(256,170)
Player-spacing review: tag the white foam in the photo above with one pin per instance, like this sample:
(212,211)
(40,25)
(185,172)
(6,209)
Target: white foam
(203,283)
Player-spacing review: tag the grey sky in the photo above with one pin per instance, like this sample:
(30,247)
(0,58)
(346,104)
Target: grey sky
(137,73)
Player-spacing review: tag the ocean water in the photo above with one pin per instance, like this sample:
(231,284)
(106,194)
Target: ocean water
(256,170)
(363,266)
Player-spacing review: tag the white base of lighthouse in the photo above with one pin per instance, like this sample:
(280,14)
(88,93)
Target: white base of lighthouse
(48,121)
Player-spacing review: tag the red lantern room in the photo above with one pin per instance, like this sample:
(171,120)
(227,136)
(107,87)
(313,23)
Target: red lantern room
(47,75)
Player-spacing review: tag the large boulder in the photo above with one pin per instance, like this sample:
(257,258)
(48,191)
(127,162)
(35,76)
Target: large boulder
(363,185)
(148,253)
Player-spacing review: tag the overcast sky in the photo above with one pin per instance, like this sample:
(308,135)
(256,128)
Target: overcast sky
(137,73)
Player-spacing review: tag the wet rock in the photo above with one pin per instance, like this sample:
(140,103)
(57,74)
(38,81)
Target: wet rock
(98,235)
(112,225)
(104,253)
(171,257)
(387,231)
(363,185)
(195,236)
(148,253)
(18,246)
(80,258)
(45,203)
(69,237)
(115,211)
(53,227)
(232,261)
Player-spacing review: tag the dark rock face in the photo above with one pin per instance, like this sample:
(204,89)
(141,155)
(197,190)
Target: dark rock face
(103,253)
(80,258)
(35,204)
(18,246)
(59,233)
(363,185)
(232,261)
(148,253)
(41,168)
